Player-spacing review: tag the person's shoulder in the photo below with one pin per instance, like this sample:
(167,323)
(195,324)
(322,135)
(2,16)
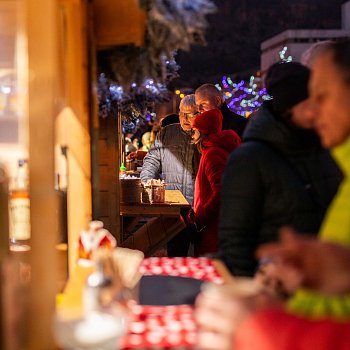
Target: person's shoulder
(239,116)
(226,111)
(172,128)
(252,151)
(172,133)
(250,158)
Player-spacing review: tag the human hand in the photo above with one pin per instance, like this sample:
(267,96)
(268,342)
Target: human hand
(310,262)
(190,217)
(220,310)
(138,155)
(273,284)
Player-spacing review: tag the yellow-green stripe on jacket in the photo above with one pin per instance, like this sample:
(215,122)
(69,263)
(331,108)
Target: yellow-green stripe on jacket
(335,228)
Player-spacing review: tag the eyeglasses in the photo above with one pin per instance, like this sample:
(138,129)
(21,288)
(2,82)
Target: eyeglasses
(188,116)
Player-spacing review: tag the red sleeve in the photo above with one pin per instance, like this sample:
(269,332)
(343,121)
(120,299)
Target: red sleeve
(214,166)
(275,329)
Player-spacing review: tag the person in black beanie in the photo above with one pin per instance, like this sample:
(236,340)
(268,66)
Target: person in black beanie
(287,84)
(279,176)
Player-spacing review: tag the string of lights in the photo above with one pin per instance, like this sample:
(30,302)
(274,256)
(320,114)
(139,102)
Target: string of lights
(283,57)
(243,97)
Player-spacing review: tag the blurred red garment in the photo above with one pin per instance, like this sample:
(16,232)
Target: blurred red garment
(275,329)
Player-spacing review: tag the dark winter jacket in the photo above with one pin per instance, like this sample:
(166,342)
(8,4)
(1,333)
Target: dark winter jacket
(215,150)
(279,176)
(233,121)
(173,158)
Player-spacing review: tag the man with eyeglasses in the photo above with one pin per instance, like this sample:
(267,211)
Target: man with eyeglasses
(175,159)
(187,119)
(209,97)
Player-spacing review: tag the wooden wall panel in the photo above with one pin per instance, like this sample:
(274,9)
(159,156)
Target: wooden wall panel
(109,175)
(103,151)
(104,209)
(104,178)
(118,22)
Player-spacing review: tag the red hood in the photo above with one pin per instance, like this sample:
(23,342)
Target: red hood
(209,122)
(226,139)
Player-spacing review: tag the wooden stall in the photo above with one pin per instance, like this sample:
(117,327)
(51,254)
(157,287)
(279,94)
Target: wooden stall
(53,46)
(50,57)
(56,44)
(114,24)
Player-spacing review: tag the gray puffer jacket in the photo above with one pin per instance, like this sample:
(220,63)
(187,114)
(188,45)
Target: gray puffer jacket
(174,159)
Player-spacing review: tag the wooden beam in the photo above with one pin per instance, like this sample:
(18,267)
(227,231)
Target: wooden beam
(43,95)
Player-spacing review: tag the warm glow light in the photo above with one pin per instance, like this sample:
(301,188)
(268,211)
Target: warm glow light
(182,95)
(177,92)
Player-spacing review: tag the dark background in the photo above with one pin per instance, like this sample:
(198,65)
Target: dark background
(237,29)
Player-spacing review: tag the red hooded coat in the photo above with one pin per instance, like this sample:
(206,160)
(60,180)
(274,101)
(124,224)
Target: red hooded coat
(216,148)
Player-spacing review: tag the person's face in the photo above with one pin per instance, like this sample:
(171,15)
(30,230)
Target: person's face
(206,103)
(332,95)
(187,116)
(304,114)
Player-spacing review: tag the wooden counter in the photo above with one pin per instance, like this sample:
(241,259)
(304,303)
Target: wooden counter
(161,222)
(174,201)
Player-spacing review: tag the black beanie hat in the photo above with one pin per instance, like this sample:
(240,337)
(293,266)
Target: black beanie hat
(287,83)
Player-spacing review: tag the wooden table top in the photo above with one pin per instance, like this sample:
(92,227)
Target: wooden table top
(175,197)
(174,201)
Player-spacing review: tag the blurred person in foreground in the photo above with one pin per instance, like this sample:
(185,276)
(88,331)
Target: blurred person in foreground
(308,56)
(215,145)
(319,265)
(174,159)
(209,97)
(279,176)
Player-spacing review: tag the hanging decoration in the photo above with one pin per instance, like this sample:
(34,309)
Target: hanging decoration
(125,71)
(243,97)
(136,106)
(283,57)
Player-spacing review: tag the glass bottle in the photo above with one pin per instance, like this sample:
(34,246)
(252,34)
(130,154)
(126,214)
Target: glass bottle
(122,171)
(20,209)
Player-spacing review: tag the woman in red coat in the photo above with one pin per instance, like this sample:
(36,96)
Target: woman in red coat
(215,146)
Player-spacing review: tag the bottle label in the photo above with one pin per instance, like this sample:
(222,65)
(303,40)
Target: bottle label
(20,219)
